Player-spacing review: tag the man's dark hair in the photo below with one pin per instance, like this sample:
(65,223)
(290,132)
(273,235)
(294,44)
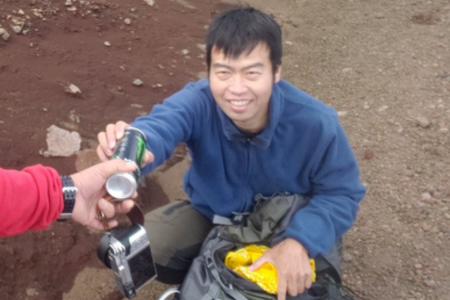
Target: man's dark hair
(242,29)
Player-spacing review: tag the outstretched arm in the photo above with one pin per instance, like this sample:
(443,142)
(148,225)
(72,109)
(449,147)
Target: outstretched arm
(32,199)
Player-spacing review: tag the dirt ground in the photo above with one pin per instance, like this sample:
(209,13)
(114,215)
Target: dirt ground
(383,65)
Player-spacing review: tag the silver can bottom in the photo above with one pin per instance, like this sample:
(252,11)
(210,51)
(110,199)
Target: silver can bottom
(121,186)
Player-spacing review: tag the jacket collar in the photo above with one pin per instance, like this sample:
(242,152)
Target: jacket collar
(264,138)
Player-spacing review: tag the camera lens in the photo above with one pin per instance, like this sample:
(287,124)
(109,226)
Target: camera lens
(102,249)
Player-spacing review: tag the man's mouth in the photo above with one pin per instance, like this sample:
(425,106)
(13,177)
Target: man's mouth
(239,103)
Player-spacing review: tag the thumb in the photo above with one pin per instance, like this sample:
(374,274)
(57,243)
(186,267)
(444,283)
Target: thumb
(116,165)
(148,157)
(259,262)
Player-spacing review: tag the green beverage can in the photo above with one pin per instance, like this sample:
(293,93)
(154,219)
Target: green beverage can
(131,148)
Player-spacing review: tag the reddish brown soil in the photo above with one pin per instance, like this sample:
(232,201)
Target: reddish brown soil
(66,47)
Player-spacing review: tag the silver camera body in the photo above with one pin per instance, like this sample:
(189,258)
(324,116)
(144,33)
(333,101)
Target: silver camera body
(127,252)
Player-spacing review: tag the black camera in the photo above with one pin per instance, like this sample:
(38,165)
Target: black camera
(127,252)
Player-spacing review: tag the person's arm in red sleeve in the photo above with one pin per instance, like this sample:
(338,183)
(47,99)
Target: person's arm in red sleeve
(29,199)
(32,199)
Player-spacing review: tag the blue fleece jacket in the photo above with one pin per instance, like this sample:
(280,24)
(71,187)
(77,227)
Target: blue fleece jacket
(303,149)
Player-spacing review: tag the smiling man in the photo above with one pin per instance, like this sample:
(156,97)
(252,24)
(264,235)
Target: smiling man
(249,132)
(242,86)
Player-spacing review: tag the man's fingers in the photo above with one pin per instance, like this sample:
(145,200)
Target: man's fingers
(101,154)
(295,287)
(308,282)
(99,225)
(292,289)
(117,165)
(112,223)
(148,158)
(124,207)
(259,262)
(107,208)
(111,136)
(120,129)
(103,149)
(281,289)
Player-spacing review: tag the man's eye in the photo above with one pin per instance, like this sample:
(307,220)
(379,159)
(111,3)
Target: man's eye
(252,74)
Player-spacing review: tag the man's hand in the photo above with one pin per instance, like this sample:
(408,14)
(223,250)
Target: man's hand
(291,260)
(108,140)
(90,183)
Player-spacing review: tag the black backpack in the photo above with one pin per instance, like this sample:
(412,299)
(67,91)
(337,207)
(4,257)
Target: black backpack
(209,279)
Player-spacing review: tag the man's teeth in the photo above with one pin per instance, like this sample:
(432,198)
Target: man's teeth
(239,103)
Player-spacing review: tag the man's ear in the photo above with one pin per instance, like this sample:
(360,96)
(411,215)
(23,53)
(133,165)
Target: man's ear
(278,74)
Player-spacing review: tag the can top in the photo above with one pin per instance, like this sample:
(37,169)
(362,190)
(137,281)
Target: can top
(138,130)
(121,185)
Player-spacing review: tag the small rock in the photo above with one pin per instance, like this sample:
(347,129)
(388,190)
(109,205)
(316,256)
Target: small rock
(32,292)
(201,47)
(127,21)
(4,34)
(426,227)
(422,122)
(342,113)
(383,108)
(347,70)
(426,196)
(137,82)
(107,44)
(150,2)
(368,154)
(61,142)
(430,283)
(185,51)
(347,257)
(289,43)
(72,89)
(408,173)
(17,28)
(68,3)
(418,266)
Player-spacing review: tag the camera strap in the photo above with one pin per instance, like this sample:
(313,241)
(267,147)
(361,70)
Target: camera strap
(136,215)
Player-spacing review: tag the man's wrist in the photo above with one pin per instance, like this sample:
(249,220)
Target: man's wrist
(69,192)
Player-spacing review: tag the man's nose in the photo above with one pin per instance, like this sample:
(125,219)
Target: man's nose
(238,85)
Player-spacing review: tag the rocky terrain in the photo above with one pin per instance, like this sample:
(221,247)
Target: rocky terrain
(383,65)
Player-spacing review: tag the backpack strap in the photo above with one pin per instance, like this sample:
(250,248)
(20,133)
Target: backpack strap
(213,291)
(215,273)
(237,219)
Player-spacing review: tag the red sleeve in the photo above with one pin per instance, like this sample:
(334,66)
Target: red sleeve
(29,199)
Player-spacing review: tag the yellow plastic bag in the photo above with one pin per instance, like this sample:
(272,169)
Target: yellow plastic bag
(265,277)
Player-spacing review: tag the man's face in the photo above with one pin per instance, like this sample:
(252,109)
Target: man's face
(242,86)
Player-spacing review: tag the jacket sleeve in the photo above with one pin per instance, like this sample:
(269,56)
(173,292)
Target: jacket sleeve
(176,120)
(337,190)
(30,199)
